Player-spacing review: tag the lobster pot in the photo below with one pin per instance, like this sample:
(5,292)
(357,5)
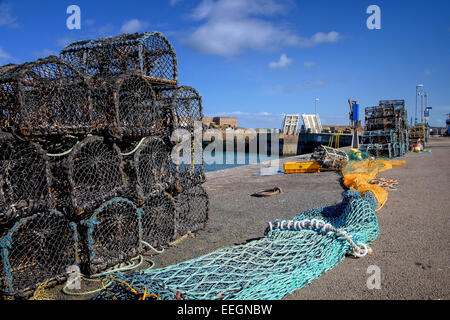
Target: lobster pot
(191,210)
(37,249)
(95,173)
(136,111)
(24,178)
(111,235)
(46,97)
(330,157)
(153,168)
(379,150)
(149,53)
(188,176)
(158,220)
(185,106)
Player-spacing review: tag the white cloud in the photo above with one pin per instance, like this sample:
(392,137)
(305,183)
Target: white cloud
(133,25)
(320,38)
(230,27)
(6,19)
(283,62)
(427,72)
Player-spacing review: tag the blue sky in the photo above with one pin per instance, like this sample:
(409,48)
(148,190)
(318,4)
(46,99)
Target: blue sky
(260,59)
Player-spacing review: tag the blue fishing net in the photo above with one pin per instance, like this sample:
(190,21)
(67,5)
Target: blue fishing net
(269,268)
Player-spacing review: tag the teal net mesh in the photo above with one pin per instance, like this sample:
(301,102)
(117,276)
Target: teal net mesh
(268,268)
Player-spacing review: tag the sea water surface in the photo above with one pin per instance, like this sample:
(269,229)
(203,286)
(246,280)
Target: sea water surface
(225,160)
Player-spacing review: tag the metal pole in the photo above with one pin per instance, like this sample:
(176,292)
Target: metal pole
(415,118)
(421,108)
(417,87)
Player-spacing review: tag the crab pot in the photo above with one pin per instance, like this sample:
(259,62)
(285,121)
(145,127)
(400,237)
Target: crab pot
(45,97)
(24,178)
(149,53)
(95,173)
(111,235)
(137,113)
(158,220)
(152,163)
(185,107)
(36,249)
(192,208)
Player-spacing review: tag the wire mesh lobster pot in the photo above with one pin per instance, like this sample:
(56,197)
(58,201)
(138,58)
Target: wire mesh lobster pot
(46,97)
(24,178)
(379,136)
(147,166)
(152,163)
(7,67)
(379,150)
(330,157)
(111,235)
(95,172)
(389,114)
(417,132)
(158,220)
(184,104)
(137,113)
(149,53)
(37,249)
(192,207)
(185,107)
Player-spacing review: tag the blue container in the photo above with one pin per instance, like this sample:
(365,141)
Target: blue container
(355,112)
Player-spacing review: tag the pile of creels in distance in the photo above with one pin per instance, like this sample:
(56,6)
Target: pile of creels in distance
(386,133)
(86,173)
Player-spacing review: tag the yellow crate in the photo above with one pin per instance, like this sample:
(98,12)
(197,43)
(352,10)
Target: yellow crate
(302,166)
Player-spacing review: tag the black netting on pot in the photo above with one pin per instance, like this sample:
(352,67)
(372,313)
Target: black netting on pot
(37,249)
(95,172)
(158,220)
(44,97)
(192,210)
(24,178)
(153,168)
(148,53)
(135,106)
(111,235)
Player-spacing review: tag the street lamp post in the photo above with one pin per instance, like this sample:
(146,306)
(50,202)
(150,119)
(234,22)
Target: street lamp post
(315,105)
(417,87)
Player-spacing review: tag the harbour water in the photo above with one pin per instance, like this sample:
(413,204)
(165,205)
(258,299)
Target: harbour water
(226,160)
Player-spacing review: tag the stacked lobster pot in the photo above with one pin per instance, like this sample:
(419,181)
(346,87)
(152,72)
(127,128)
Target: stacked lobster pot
(386,133)
(87,177)
(417,134)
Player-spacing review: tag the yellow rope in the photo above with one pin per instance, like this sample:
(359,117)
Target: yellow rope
(42,294)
